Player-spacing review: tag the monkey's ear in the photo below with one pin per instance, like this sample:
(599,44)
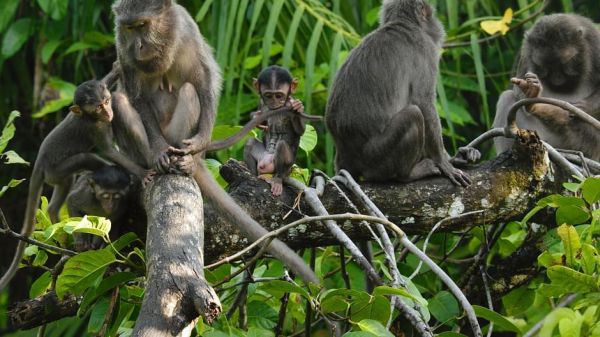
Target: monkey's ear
(75,109)
(294,85)
(255,84)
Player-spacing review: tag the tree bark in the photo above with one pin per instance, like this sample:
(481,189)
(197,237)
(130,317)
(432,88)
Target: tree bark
(176,291)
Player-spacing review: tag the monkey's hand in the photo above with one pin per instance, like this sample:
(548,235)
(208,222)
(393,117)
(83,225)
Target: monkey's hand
(162,163)
(530,85)
(297,105)
(190,146)
(465,155)
(184,165)
(455,175)
(149,177)
(276,186)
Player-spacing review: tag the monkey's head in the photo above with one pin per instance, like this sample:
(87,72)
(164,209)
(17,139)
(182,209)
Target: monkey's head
(92,99)
(556,51)
(416,11)
(110,186)
(145,34)
(275,84)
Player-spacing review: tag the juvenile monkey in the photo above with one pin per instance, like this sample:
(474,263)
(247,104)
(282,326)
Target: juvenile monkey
(560,58)
(67,150)
(381,110)
(170,78)
(276,153)
(104,192)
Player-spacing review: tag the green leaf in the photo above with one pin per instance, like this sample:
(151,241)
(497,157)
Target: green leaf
(278,288)
(9,8)
(57,9)
(16,35)
(553,319)
(40,285)
(450,334)
(255,332)
(214,167)
(40,258)
(572,281)
(94,225)
(376,307)
(385,290)
(591,190)
(308,141)
(122,242)
(589,258)
(78,46)
(573,215)
(335,304)
(11,184)
(267,41)
(374,327)
(83,271)
(98,315)
(11,157)
(518,301)
(499,321)
(65,90)
(106,285)
(203,10)
(9,130)
(261,315)
(359,334)
(444,307)
(570,239)
(49,49)
(573,187)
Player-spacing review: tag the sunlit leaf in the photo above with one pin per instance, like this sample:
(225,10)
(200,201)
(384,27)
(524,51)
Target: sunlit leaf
(11,157)
(571,242)
(374,327)
(8,132)
(494,26)
(309,139)
(591,190)
(571,281)
(40,285)
(12,183)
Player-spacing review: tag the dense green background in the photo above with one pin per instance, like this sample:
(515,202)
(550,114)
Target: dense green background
(49,46)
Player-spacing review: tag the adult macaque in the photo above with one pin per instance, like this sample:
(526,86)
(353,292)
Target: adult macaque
(104,192)
(560,58)
(170,77)
(276,153)
(67,150)
(381,109)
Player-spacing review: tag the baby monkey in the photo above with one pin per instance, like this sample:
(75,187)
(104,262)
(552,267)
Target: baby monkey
(104,192)
(276,153)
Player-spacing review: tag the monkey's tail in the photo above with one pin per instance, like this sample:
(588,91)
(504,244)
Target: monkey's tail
(36,184)
(248,226)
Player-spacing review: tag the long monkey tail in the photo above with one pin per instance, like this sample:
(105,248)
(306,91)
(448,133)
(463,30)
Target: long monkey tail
(248,226)
(36,184)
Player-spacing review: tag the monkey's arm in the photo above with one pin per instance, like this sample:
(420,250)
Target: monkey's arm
(127,163)
(113,75)
(208,115)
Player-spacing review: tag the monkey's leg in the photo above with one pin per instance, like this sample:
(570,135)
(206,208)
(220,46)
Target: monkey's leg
(398,149)
(129,130)
(254,149)
(185,118)
(283,160)
(74,164)
(59,195)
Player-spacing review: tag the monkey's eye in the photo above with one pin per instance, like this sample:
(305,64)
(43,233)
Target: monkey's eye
(105,196)
(279,96)
(116,196)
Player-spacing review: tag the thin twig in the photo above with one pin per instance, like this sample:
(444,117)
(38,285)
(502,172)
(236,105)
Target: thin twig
(488,296)
(109,313)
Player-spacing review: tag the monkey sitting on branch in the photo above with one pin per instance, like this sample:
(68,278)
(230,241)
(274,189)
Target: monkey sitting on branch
(104,192)
(381,111)
(560,58)
(67,150)
(276,153)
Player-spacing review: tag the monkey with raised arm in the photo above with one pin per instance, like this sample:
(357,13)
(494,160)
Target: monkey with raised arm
(276,153)
(67,150)
(171,79)
(381,109)
(560,58)
(104,192)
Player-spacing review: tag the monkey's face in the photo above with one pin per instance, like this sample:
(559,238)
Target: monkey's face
(110,200)
(558,67)
(275,98)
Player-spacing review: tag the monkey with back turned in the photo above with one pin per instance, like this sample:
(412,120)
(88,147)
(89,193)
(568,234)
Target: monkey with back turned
(104,192)
(560,58)
(171,80)
(276,153)
(67,150)
(381,110)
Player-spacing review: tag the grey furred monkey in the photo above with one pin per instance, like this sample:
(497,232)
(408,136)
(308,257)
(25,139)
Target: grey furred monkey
(381,109)
(559,58)
(170,78)
(67,150)
(104,192)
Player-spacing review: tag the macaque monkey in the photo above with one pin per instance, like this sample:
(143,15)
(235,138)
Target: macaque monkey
(381,109)
(67,150)
(171,79)
(104,192)
(560,58)
(276,153)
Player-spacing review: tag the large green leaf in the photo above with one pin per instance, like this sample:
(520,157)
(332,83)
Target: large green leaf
(571,242)
(518,301)
(385,290)
(308,141)
(9,7)
(444,307)
(98,315)
(94,225)
(57,9)
(16,35)
(553,319)
(499,321)
(261,315)
(65,90)
(40,285)
(376,308)
(374,327)
(83,271)
(278,288)
(591,190)
(571,281)
(49,49)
